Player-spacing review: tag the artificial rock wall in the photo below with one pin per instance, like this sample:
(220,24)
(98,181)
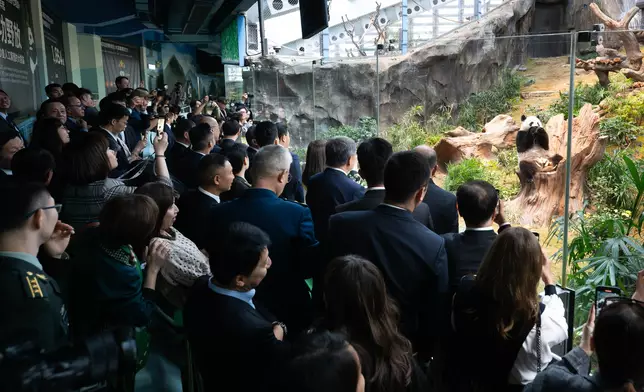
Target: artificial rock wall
(313,98)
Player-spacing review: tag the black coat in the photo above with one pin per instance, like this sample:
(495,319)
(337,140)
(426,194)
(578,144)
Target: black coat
(8,125)
(326,191)
(226,144)
(233,344)
(194,209)
(121,156)
(174,155)
(237,189)
(412,259)
(374,197)
(442,206)
(74,128)
(185,169)
(465,252)
(293,250)
(294,190)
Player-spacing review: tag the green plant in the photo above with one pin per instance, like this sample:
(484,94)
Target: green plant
(610,183)
(605,248)
(365,129)
(483,106)
(509,159)
(471,169)
(619,131)
(584,94)
(631,109)
(409,132)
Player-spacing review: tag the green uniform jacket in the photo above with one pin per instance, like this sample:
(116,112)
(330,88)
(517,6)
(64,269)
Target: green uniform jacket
(31,306)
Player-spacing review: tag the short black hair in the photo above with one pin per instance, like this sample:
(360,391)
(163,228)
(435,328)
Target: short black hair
(6,136)
(372,156)
(182,126)
(477,201)
(250,135)
(231,128)
(339,150)
(282,130)
(208,166)
(199,136)
(236,154)
(32,165)
(70,87)
(120,78)
(238,251)
(43,106)
(20,199)
(265,133)
(50,87)
(110,98)
(111,112)
(405,173)
(82,91)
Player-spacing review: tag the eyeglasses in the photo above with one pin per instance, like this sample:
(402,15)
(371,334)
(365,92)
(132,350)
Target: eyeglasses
(58,207)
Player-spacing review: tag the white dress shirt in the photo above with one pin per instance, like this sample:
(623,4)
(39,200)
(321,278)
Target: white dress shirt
(211,195)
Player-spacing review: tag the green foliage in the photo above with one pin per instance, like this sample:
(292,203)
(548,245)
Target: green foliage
(584,94)
(483,106)
(609,182)
(605,248)
(505,180)
(619,83)
(365,129)
(411,132)
(631,109)
(508,159)
(620,131)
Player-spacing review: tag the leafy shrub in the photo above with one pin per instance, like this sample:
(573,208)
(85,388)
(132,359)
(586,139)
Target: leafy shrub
(609,182)
(411,132)
(509,159)
(592,94)
(433,140)
(471,169)
(620,132)
(631,109)
(366,128)
(483,106)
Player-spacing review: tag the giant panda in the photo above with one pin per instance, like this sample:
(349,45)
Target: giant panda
(530,133)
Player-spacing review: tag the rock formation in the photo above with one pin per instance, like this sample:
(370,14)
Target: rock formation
(543,196)
(442,73)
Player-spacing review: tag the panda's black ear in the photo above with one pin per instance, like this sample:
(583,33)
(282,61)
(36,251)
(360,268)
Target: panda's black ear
(523,117)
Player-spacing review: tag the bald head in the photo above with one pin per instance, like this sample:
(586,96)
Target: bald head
(212,122)
(429,154)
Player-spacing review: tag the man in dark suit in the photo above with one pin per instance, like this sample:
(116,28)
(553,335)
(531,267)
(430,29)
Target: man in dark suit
(229,331)
(215,175)
(332,187)
(372,157)
(230,130)
(10,144)
(290,227)
(252,144)
(238,158)
(91,113)
(6,124)
(202,140)
(214,129)
(411,257)
(182,142)
(479,205)
(75,114)
(294,189)
(442,204)
(113,119)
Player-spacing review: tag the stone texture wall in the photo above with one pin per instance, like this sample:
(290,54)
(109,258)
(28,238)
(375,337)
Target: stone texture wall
(441,73)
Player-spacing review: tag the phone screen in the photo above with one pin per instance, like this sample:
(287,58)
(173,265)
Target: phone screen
(160,126)
(601,294)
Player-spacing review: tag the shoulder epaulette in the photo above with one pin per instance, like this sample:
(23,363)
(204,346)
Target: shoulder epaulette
(31,285)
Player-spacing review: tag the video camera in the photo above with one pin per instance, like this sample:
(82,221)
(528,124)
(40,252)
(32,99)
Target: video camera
(96,359)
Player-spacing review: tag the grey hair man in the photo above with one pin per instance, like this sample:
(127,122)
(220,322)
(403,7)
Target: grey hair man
(442,204)
(293,248)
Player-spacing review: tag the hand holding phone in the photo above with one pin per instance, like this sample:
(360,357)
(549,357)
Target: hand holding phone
(160,126)
(602,293)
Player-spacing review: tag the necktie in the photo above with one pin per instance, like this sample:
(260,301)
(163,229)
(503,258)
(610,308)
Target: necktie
(123,145)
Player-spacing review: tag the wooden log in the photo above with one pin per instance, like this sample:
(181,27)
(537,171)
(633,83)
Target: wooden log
(542,194)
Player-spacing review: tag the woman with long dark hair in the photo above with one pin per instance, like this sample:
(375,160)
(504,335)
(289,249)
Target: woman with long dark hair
(357,305)
(50,134)
(503,334)
(315,160)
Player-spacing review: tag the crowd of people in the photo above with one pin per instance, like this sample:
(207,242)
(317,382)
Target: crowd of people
(280,277)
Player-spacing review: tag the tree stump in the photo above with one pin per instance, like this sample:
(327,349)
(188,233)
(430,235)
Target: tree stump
(543,196)
(498,134)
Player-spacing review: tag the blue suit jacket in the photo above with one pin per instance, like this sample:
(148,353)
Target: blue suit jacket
(325,192)
(293,250)
(294,189)
(442,206)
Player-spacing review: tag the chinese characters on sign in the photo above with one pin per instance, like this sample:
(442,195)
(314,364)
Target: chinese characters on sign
(55,52)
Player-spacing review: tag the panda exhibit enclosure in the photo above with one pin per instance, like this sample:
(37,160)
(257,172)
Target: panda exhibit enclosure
(471,69)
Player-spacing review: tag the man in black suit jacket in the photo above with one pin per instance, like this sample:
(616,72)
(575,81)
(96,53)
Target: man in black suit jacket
(294,189)
(182,142)
(216,176)
(372,156)
(332,187)
(253,147)
(411,257)
(230,131)
(185,169)
(238,158)
(442,204)
(238,346)
(6,124)
(75,113)
(479,205)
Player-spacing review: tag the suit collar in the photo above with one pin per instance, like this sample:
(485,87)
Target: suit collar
(242,180)
(259,193)
(375,193)
(394,211)
(334,170)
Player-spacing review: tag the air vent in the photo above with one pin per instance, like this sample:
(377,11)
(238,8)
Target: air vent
(253,36)
(276,7)
(293,2)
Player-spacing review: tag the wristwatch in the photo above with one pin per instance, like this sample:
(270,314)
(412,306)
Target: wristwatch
(281,324)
